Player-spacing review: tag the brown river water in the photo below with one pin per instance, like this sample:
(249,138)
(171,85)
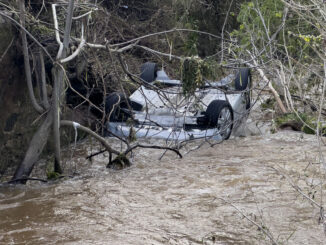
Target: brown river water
(213,195)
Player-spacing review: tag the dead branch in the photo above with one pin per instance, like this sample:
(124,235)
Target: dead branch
(163,33)
(43,83)
(14,181)
(296,187)
(78,50)
(28,33)
(260,227)
(28,74)
(270,85)
(82,96)
(90,132)
(159,53)
(5,52)
(152,147)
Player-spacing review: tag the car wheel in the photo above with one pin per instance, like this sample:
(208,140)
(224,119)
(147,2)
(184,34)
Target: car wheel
(149,72)
(219,114)
(114,105)
(242,79)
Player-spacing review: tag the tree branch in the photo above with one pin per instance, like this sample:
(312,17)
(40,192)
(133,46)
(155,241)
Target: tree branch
(28,74)
(43,83)
(58,88)
(77,51)
(90,132)
(152,147)
(28,33)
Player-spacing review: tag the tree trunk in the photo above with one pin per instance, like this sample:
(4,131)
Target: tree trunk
(58,93)
(34,150)
(58,79)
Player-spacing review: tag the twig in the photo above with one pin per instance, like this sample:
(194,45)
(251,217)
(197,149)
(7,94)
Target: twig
(29,34)
(74,90)
(152,147)
(5,52)
(158,52)
(222,32)
(56,25)
(270,85)
(296,187)
(77,51)
(165,32)
(261,228)
(90,132)
(95,154)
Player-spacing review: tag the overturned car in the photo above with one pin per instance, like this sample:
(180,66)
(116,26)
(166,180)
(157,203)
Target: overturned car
(160,109)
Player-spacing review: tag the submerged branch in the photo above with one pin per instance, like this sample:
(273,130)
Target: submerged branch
(152,147)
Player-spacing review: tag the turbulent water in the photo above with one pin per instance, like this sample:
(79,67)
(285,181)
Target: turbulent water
(238,192)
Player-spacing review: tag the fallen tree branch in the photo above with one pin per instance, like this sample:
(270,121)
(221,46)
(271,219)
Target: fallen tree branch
(90,132)
(14,181)
(95,154)
(152,147)
(270,85)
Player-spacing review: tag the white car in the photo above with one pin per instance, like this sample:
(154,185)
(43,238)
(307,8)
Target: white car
(159,108)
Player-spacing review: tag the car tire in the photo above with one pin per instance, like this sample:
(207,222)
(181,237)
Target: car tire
(148,72)
(242,79)
(248,98)
(219,114)
(114,103)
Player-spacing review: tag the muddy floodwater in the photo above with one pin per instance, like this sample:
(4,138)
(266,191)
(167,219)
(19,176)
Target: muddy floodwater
(233,193)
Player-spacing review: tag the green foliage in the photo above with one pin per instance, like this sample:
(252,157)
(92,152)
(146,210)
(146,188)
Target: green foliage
(259,20)
(251,22)
(194,71)
(304,122)
(268,104)
(52,175)
(186,18)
